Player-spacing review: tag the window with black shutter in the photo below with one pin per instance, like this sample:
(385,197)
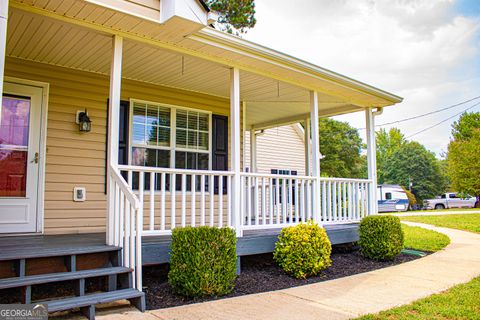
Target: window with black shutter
(220,147)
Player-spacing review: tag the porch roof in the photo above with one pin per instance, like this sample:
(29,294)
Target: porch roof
(183,54)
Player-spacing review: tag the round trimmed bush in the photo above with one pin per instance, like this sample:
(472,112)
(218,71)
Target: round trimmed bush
(381,237)
(303,250)
(203,261)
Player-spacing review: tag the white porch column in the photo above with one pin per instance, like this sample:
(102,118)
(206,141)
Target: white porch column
(235,148)
(315,166)
(308,150)
(113,126)
(3,39)
(372,159)
(253,151)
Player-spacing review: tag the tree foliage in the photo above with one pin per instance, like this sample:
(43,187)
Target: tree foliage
(341,146)
(413,162)
(235,16)
(464,154)
(388,142)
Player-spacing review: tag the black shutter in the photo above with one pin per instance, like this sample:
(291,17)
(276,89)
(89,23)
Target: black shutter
(220,147)
(122,136)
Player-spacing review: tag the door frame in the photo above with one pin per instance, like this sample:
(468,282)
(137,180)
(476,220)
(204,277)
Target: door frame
(42,146)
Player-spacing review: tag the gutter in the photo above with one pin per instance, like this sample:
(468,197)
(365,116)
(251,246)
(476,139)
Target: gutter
(237,44)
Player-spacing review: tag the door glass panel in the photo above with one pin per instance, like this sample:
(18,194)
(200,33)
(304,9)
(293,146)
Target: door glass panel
(14,128)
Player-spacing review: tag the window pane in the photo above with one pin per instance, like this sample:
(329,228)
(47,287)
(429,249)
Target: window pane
(139,156)
(191,160)
(181,138)
(202,161)
(163,158)
(203,121)
(152,132)
(164,116)
(152,115)
(139,113)
(192,139)
(180,158)
(138,134)
(164,137)
(181,119)
(193,120)
(203,140)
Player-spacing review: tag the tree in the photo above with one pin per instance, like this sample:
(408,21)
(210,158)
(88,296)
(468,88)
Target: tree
(413,162)
(235,16)
(463,156)
(341,146)
(387,143)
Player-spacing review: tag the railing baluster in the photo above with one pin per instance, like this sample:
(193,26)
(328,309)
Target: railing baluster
(264,201)
(193,204)
(116,216)
(173,191)
(324,201)
(229,201)
(303,201)
(290,201)
(121,217)
(184,199)
(334,201)
(162,210)
(271,212)
(132,239)
(212,199)
(242,200)
(126,244)
(220,201)
(295,186)
(255,199)
(249,200)
(344,201)
(309,200)
(277,200)
(130,178)
(202,200)
(152,201)
(339,201)
(284,200)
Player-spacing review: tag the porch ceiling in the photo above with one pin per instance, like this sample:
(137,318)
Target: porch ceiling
(38,38)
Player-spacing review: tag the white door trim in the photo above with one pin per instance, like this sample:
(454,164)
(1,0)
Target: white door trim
(42,147)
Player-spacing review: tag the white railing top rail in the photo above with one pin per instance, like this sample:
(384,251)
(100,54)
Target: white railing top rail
(275,176)
(125,188)
(345,180)
(175,171)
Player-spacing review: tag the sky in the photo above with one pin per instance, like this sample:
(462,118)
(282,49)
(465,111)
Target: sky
(426,51)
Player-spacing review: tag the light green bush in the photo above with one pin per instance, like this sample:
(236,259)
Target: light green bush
(303,250)
(381,237)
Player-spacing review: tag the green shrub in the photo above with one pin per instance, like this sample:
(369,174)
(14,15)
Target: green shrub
(203,261)
(303,250)
(381,237)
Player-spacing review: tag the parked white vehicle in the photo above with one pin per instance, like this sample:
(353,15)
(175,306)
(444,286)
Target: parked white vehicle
(392,198)
(450,200)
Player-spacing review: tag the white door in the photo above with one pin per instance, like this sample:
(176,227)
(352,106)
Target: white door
(20,125)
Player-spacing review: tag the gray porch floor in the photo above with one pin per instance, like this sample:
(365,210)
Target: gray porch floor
(155,249)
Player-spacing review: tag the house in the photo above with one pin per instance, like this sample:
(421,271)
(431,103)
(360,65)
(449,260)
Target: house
(122,120)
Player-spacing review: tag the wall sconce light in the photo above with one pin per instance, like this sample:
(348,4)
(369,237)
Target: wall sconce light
(83,121)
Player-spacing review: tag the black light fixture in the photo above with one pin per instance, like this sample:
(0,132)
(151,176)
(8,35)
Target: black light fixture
(84,122)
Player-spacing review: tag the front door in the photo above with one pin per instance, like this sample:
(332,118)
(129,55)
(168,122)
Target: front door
(20,125)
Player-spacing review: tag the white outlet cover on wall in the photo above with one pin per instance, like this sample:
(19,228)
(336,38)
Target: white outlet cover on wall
(79,194)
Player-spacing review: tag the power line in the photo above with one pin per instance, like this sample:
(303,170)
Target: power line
(439,123)
(428,113)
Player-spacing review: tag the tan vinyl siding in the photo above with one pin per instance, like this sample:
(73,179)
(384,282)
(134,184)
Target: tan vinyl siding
(78,159)
(278,148)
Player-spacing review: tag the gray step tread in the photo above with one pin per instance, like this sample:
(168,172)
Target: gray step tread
(92,299)
(19,253)
(62,276)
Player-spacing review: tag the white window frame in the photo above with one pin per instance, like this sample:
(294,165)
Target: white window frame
(173,132)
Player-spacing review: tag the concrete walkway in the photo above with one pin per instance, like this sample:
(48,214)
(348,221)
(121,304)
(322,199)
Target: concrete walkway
(344,298)
(434,213)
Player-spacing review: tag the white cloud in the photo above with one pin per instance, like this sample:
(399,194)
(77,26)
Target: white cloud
(421,50)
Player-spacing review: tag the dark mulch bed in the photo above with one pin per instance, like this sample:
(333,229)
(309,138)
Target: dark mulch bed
(261,274)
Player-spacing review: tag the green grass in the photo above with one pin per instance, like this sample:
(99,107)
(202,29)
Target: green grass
(467,222)
(434,211)
(459,302)
(424,240)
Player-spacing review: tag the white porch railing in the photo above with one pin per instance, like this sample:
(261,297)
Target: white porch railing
(178,198)
(150,201)
(127,225)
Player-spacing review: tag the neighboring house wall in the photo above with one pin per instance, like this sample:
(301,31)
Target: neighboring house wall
(78,159)
(279,148)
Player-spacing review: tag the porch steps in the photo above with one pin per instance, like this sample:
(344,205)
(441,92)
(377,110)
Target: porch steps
(65,275)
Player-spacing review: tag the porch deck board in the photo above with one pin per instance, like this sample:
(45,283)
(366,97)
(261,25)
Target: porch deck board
(34,246)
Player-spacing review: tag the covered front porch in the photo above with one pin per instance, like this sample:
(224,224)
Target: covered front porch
(169,113)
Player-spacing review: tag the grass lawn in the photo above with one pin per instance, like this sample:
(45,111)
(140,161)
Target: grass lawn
(467,222)
(424,240)
(459,302)
(435,211)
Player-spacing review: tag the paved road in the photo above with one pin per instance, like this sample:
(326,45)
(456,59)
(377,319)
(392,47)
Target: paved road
(343,298)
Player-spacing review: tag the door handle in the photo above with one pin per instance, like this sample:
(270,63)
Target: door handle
(35,158)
